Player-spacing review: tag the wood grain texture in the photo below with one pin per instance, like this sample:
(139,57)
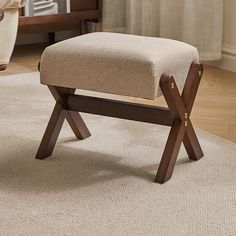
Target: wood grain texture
(181,130)
(175,116)
(73,118)
(56,121)
(119,109)
(52,132)
(171,152)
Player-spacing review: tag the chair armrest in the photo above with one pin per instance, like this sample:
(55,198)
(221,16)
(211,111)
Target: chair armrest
(1,14)
(9,4)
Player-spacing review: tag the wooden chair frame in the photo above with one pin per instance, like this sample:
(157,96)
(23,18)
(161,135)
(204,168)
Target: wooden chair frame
(177,116)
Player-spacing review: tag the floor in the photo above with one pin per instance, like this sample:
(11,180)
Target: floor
(215,107)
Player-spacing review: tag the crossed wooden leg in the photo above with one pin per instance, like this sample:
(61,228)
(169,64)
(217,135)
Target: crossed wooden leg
(56,121)
(177,116)
(182,130)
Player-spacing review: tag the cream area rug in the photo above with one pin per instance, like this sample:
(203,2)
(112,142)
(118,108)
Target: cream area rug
(104,185)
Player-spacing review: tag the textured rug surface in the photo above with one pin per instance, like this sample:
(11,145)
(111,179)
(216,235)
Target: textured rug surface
(104,185)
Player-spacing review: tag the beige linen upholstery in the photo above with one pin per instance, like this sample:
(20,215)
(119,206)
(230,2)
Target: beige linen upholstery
(8,28)
(116,63)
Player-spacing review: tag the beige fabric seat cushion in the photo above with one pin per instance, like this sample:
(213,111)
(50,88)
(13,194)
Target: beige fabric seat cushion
(116,63)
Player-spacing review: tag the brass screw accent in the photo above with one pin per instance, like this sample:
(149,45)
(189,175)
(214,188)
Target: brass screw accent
(172,85)
(186,116)
(200,73)
(186,123)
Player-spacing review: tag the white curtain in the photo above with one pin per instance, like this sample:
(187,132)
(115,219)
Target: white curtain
(197,22)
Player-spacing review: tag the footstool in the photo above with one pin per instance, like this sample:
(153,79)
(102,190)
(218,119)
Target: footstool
(135,66)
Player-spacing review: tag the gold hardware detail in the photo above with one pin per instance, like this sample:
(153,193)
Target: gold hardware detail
(186,116)
(200,73)
(186,123)
(172,85)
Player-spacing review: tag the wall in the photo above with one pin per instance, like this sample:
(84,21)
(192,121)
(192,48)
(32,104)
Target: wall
(228,61)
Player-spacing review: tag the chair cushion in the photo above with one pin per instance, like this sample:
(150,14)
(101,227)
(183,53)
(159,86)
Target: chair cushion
(116,63)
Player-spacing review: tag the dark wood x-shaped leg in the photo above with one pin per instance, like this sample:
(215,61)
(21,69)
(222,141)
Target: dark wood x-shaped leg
(177,116)
(56,121)
(181,129)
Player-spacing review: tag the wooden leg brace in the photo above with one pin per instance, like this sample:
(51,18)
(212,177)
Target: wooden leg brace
(177,116)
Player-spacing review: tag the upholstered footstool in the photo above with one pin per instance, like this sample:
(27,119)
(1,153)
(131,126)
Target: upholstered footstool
(128,65)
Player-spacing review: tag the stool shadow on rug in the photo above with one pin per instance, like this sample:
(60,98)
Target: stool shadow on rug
(68,169)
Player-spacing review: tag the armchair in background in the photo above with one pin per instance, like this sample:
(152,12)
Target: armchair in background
(9,16)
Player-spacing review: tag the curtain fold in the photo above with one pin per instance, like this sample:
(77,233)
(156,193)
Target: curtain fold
(197,22)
